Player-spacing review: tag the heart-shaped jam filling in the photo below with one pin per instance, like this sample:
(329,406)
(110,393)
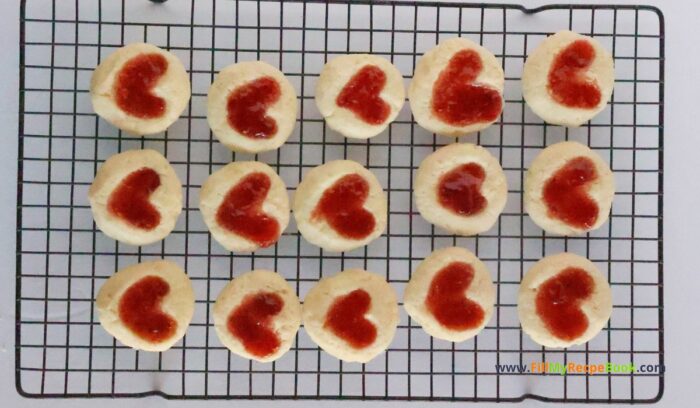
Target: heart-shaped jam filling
(459,190)
(241,210)
(247,108)
(458,99)
(447,299)
(130,199)
(251,323)
(558,302)
(140,309)
(346,319)
(565,193)
(361,95)
(342,207)
(133,87)
(567,81)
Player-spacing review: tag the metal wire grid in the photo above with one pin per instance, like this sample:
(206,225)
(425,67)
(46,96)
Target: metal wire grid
(62,260)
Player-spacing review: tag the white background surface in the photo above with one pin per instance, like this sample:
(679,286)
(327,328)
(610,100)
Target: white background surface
(681,216)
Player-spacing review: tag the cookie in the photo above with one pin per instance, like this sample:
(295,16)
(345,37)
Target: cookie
(140,88)
(340,206)
(451,295)
(359,95)
(245,206)
(568,79)
(457,88)
(147,306)
(257,315)
(136,197)
(569,189)
(563,301)
(461,188)
(251,107)
(352,315)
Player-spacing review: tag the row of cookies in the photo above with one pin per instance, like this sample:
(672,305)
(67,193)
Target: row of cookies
(353,315)
(456,89)
(136,197)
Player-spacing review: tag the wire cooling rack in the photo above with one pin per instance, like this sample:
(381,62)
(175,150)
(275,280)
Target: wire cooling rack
(61,350)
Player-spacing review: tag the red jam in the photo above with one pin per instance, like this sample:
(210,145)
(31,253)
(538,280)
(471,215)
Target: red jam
(346,319)
(251,323)
(130,200)
(567,82)
(139,309)
(361,95)
(447,300)
(241,211)
(342,207)
(566,195)
(247,108)
(457,99)
(133,87)
(558,302)
(460,189)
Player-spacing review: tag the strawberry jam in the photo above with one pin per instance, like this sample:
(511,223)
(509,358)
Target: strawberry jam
(247,108)
(346,319)
(241,210)
(457,99)
(130,200)
(140,310)
(565,193)
(361,95)
(251,323)
(566,80)
(342,206)
(133,87)
(558,302)
(459,189)
(447,298)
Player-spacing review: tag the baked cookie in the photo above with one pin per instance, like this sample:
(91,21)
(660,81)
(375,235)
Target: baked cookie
(568,79)
(140,89)
(352,315)
(147,306)
(457,88)
(245,206)
(569,189)
(257,315)
(461,188)
(359,94)
(251,107)
(563,301)
(136,197)
(450,295)
(340,206)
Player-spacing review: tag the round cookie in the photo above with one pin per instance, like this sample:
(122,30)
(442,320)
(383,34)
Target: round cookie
(457,88)
(140,88)
(451,295)
(251,107)
(563,301)
(257,315)
(352,315)
(462,188)
(147,306)
(340,206)
(136,197)
(359,94)
(569,189)
(245,206)
(568,79)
